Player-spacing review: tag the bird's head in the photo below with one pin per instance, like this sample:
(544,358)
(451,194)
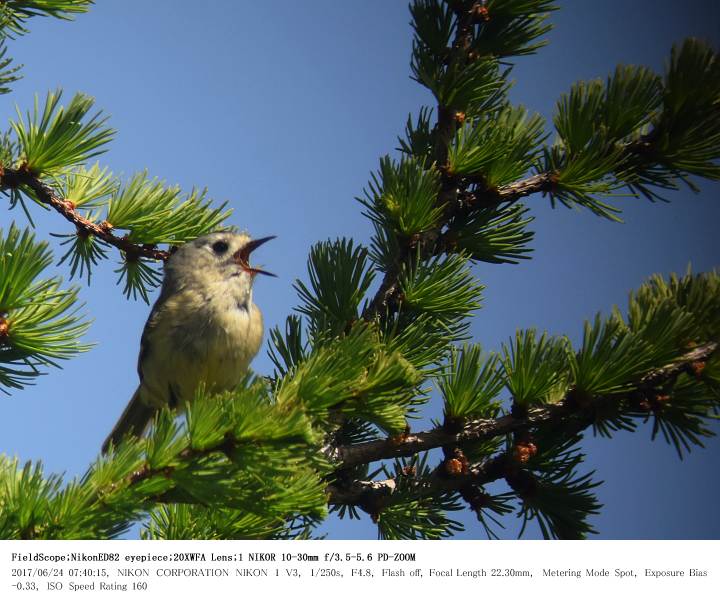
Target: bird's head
(215,259)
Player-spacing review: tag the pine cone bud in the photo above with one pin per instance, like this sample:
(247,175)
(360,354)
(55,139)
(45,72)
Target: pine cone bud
(697,368)
(523,451)
(454,467)
(480,13)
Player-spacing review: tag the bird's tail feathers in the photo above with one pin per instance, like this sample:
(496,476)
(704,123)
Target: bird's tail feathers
(133,420)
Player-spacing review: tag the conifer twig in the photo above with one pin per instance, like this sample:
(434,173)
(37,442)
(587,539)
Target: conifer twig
(372,496)
(434,243)
(445,127)
(537,183)
(11,178)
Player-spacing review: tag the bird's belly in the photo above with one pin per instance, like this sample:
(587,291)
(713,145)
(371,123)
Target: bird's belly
(217,372)
(218,359)
(220,364)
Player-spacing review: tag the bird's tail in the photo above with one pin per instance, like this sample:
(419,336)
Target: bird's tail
(133,420)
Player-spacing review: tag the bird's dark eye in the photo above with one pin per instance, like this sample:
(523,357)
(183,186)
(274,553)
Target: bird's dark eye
(220,247)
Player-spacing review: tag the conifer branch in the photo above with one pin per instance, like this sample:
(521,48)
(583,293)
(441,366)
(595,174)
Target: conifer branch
(447,123)
(222,456)
(569,417)
(484,429)
(11,178)
(372,496)
(537,183)
(433,242)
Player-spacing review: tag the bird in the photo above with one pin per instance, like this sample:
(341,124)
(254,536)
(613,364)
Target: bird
(204,328)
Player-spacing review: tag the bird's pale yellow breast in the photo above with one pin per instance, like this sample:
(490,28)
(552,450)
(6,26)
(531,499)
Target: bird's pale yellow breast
(209,338)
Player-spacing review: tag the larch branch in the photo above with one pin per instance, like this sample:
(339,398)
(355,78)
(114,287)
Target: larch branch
(19,178)
(484,429)
(372,496)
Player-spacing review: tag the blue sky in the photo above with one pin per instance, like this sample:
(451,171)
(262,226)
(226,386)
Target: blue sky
(283,109)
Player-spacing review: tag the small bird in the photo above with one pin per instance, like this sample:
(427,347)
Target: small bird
(204,328)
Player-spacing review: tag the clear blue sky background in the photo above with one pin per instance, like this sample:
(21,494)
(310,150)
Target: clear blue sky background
(283,108)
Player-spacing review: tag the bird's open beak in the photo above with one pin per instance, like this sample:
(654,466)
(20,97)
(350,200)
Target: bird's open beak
(242,256)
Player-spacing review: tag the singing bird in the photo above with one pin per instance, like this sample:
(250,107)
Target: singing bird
(204,328)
